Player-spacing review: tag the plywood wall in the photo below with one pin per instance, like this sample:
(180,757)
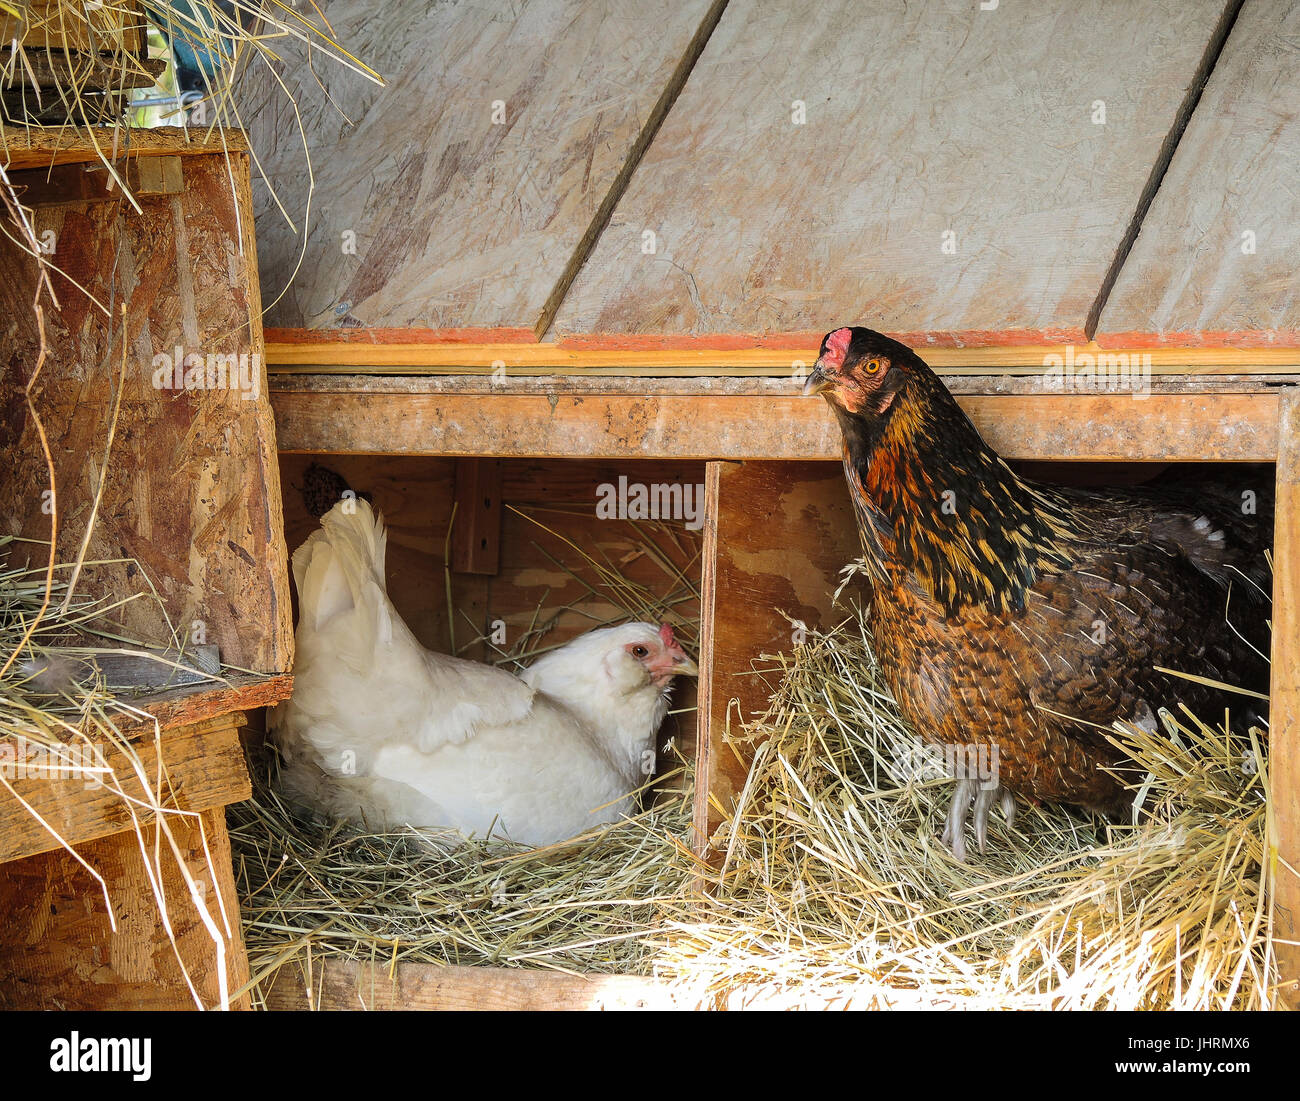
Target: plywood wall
(189,490)
(1215,261)
(466,183)
(812,166)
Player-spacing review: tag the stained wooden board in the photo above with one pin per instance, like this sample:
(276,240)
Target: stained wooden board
(347,985)
(458,222)
(1284,705)
(920,119)
(1187,279)
(198,703)
(287,354)
(88,27)
(777,536)
(202,767)
(59,950)
(190,488)
(622,423)
(22,148)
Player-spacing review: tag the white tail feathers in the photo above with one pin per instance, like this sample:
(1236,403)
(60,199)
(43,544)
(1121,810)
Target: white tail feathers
(339,568)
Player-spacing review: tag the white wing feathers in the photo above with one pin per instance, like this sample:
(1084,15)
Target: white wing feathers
(361,678)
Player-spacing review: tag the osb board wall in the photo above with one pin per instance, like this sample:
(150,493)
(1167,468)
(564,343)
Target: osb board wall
(415,495)
(1215,260)
(462,213)
(60,951)
(191,488)
(918,119)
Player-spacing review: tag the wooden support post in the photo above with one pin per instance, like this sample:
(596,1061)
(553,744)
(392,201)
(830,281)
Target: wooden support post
(1284,706)
(776,538)
(476,530)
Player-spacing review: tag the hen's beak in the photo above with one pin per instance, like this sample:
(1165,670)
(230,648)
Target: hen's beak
(684,667)
(816,382)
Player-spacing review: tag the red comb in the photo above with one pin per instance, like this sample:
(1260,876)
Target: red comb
(666,635)
(837,346)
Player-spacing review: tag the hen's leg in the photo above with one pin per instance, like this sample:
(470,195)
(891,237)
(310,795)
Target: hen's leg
(954,830)
(984,803)
(966,791)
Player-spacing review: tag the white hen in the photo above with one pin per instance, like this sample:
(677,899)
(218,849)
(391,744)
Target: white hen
(387,733)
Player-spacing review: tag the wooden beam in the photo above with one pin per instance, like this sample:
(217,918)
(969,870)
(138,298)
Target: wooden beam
(292,351)
(349,985)
(202,767)
(198,703)
(1284,705)
(22,147)
(476,528)
(625,424)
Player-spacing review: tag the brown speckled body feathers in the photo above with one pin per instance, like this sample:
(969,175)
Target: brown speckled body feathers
(1022,616)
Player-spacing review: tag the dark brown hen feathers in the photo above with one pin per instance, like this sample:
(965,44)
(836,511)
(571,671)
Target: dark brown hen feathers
(1027,617)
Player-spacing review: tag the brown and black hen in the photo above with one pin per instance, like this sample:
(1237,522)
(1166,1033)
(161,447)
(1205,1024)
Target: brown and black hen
(1022,619)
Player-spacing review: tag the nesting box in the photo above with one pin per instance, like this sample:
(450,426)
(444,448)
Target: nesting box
(145,386)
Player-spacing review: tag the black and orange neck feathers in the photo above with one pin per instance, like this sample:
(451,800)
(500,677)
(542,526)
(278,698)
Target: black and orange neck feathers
(934,499)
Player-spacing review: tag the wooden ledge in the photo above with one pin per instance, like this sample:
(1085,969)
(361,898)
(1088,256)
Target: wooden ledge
(40,147)
(198,703)
(1186,421)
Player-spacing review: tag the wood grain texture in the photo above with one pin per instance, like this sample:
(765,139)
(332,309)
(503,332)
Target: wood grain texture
(190,490)
(476,534)
(620,423)
(202,767)
(22,148)
(1284,705)
(198,703)
(459,222)
(60,951)
(1235,170)
(779,534)
(347,985)
(921,119)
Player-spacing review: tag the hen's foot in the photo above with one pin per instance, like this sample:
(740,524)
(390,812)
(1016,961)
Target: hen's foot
(966,793)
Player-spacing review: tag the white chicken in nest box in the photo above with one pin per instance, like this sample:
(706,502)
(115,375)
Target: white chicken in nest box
(387,733)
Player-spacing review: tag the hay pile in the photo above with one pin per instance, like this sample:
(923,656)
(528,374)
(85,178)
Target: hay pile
(322,889)
(834,885)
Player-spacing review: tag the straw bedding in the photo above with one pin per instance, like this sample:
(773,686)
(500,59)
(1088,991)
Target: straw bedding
(833,887)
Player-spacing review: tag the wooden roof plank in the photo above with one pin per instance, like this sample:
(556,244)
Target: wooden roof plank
(920,119)
(1192,276)
(459,222)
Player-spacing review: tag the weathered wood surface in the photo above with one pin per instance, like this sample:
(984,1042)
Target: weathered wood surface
(1284,704)
(778,535)
(622,423)
(22,148)
(59,950)
(347,985)
(202,767)
(458,222)
(190,491)
(87,27)
(476,534)
(198,703)
(1188,279)
(920,119)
